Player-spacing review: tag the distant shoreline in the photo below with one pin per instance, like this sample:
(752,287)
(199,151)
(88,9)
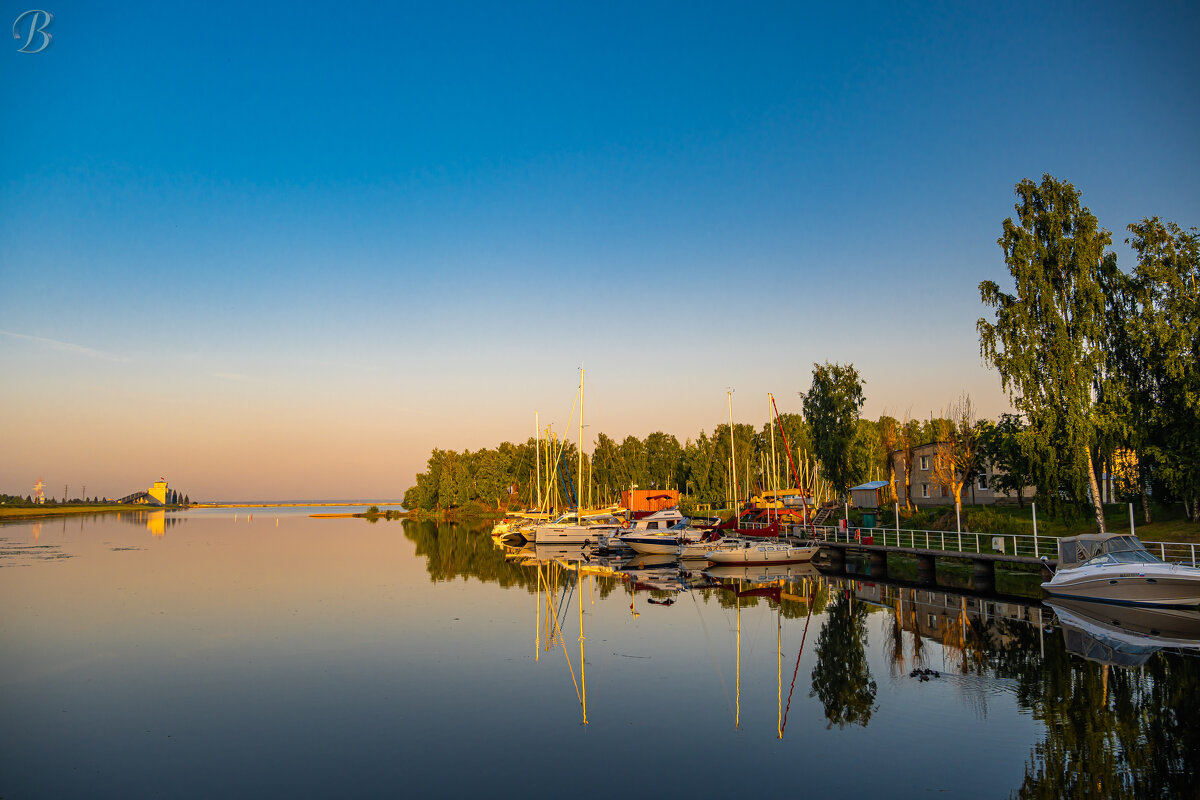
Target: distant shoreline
(366,503)
(44,512)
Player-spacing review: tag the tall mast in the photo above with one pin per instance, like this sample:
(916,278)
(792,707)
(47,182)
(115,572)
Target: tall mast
(537,434)
(579,490)
(732,454)
(774,482)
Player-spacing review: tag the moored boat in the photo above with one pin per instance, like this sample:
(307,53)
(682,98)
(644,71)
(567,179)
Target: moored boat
(1117,568)
(586,530)
(764,553)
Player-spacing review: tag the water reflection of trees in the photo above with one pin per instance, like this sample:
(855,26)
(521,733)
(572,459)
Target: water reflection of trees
(1109,731)
(1112,731)
(842,678)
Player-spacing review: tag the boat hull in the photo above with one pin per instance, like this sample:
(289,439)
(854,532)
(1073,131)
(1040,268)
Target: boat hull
(653,545)
(765,554)
(1173,586)
(572,534)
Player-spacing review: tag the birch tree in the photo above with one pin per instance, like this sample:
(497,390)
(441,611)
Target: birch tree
(1045,340)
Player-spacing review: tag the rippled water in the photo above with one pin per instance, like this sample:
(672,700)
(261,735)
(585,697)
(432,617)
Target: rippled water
(214,653)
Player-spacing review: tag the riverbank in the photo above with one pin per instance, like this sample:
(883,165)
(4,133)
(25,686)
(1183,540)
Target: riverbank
(41,512)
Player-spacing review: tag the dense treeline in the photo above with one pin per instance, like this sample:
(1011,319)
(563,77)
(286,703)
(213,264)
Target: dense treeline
(506,476)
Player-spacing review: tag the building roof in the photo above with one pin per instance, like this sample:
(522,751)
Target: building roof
(869,485)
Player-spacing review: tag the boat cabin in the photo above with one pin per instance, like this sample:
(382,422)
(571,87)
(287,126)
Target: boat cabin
(658,521)
(1102,548)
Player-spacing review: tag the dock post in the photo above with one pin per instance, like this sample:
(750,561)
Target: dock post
(837,559)
(985,576)
(926,569)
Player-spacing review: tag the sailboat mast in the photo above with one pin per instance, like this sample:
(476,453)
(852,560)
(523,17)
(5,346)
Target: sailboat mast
(579,491)
(774,472)
(732,454)
(537,434)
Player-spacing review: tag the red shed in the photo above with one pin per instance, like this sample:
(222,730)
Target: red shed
(637,500)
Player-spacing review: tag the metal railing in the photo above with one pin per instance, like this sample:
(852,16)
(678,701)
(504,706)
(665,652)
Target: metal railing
(1026,545)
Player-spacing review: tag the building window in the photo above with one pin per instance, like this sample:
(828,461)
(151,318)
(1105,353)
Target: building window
(924,490)
(945,493)
(925,463)
(983,481)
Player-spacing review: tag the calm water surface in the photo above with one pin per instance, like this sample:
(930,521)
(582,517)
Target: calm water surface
(220,653)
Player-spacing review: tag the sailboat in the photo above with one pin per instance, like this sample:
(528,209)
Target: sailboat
(576,527)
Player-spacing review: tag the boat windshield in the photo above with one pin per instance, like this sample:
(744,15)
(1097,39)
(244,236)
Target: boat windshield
(1133,556)
(1122,544)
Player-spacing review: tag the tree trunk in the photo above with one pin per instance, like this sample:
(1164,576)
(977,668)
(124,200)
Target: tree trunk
(1145,495)
(1020,497)
(1096,504)
(908,504)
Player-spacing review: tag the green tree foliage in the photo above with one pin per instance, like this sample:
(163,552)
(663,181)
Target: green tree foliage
(1001,446)
(1160,331)
(1046,340)
(831,407)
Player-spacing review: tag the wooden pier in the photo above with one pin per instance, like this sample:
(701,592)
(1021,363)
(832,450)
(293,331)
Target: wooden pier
(983,564)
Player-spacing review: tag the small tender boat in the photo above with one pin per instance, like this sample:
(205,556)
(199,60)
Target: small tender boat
(764,553)
(1117,568)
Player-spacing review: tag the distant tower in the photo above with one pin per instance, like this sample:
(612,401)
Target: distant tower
(38,496)
(159,491)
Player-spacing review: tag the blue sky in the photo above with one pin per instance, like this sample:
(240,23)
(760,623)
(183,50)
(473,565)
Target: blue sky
(317,240)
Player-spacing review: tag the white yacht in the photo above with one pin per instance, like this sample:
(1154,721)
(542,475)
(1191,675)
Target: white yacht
(570,528)
(1117,568)
(764,553)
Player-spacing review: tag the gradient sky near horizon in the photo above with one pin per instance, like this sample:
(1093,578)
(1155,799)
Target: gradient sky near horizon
(283,250)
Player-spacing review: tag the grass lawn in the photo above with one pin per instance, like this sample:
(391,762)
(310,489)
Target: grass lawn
(1169,523)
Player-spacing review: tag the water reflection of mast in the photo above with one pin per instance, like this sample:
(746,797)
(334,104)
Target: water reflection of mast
(737,719)
(555,632)
(579,603)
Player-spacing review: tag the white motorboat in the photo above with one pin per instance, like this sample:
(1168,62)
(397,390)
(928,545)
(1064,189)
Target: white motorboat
(1117,568)
(660,533)
(764,553)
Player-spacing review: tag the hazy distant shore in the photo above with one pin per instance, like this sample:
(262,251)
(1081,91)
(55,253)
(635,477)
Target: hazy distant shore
(41,512)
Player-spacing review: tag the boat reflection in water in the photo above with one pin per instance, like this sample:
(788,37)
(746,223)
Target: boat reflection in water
(1125,636)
